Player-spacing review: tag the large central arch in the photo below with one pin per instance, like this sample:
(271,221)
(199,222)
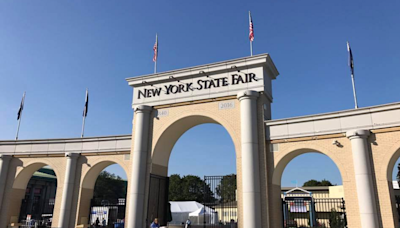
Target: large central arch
(166,131)
(171,133)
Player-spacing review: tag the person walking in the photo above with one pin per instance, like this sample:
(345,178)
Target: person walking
(155,224)
(188,223)
(104,223)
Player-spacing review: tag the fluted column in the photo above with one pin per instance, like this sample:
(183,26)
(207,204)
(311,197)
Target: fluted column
(4,163)
(68,189)
(138,167)
(363,175)
(250,159)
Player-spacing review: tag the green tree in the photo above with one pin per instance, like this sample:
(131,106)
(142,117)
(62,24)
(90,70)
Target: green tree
(175,190)
(189,188)
(312,183)
(226,190)
(109,186)
(398,174)
(336,220)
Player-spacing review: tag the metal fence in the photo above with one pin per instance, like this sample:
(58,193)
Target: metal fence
(328,213)
(35,224)
(40,212)
(220,204)
(398,206)
(108,213)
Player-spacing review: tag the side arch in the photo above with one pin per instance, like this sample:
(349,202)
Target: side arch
(386,193)
(88,181)
(288,155)
(388,162)
(23,176)
(21,171)
(89,178)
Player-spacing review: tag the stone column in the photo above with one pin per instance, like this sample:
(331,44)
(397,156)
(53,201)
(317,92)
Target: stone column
(250,159)
(363,175)
(68,190)
(4,163)
(137,181)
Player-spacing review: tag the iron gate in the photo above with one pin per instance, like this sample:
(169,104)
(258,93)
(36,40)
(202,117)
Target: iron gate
(158,200)
(108,211)
(220,203)
(38,210)
(329,213)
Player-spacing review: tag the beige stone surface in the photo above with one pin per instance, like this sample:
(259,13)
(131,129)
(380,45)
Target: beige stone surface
(384,148)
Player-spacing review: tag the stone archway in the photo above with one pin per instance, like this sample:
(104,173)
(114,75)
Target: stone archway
(386,192)
(88,181)
(282,159)
(23,171)
(165,142)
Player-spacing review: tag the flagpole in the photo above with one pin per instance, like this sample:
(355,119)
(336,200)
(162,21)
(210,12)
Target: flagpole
(155,62)
(354,91)
(19,123)
(251,48)
(83,126)
(251,42)
(20,117)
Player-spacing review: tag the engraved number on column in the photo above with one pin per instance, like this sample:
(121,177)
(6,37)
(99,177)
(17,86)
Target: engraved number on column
(226,105)
(162,112)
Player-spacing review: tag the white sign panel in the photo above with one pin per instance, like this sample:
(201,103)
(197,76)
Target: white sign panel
(204,82)
(199,88)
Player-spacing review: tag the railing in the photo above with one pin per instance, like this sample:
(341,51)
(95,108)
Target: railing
(220,204)
(108,213)
(328,213)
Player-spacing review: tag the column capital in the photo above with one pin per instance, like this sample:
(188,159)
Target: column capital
(72,155)
(352,134)
(247,94)
(143,109)
(5,157)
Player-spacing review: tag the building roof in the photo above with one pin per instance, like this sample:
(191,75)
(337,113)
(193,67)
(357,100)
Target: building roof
(45,172)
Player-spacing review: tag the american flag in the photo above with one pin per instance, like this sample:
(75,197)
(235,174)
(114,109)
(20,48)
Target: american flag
(21,107)
(155,49)
(86,108)
(351,61)
(251,28)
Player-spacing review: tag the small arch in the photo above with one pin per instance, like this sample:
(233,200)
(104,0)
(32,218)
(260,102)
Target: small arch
(292,153)
(389,161)
(87,187)
(385,176)
(89,180)
(22,178)
(19,190)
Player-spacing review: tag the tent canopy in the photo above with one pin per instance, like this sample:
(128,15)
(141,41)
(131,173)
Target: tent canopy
(202,211)
(184,206)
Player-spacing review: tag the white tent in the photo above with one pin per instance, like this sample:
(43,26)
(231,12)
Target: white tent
(182,210)
(204,213)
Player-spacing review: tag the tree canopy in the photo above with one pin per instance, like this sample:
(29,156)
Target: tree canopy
(109,186)
(189,188)
(313,183)
(226,190)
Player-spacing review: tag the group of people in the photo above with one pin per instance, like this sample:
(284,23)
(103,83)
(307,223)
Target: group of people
(97,223)
(155,224)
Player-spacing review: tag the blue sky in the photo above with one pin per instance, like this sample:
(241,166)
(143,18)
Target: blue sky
(54,50)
